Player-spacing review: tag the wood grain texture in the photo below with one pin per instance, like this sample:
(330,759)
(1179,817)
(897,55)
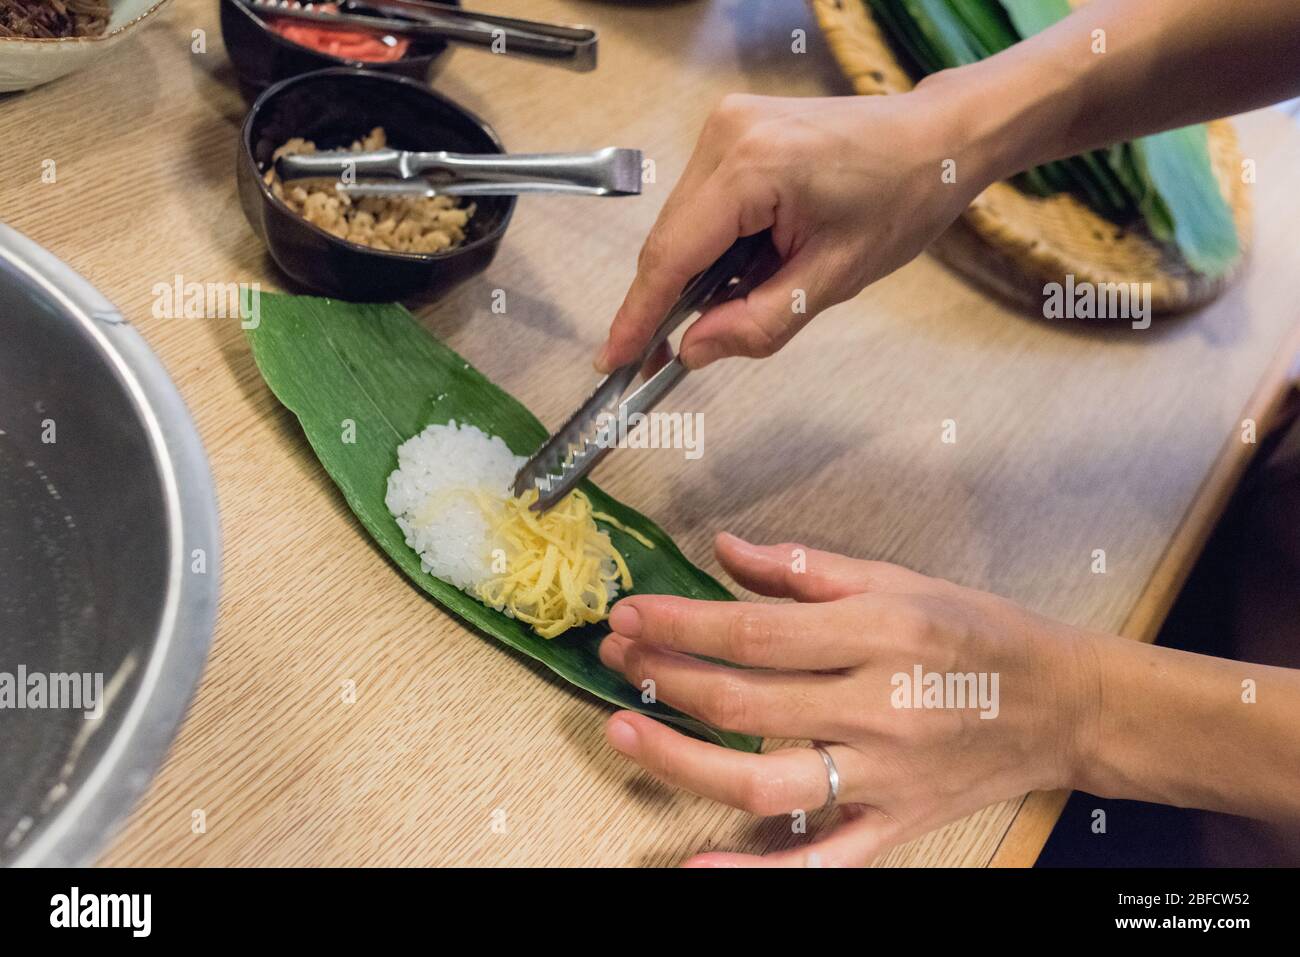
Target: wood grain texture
(1070,438)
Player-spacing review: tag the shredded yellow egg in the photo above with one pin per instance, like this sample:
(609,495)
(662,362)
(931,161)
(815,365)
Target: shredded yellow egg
(560,568)
(611,520)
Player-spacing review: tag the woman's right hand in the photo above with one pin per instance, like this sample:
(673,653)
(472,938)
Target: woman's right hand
(852,186)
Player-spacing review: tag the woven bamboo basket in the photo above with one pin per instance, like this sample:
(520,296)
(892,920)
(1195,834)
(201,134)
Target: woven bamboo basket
(1014,243)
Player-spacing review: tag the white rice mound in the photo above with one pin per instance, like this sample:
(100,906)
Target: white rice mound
(434,495)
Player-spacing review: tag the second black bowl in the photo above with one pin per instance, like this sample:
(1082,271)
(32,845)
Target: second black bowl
(333,108)
(261,56)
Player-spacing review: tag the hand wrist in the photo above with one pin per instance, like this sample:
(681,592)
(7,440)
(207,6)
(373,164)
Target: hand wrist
(1069,700)
(1083,737)
(1004,114)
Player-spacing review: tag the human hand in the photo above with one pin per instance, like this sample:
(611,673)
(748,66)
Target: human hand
(852,187)
(829,669)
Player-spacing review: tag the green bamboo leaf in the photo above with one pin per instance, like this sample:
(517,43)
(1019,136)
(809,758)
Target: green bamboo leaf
(1114,201)
(900,28)
(988,25)
(332,362)
(1034,16)
(1120,160)
(943,30)
(1177,165)
(1033,181)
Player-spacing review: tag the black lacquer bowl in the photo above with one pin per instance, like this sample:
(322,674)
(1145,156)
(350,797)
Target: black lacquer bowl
(262,57)
(333,108)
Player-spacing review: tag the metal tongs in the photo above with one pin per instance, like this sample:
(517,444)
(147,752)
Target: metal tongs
(571,47)
(605,172)
(596,428)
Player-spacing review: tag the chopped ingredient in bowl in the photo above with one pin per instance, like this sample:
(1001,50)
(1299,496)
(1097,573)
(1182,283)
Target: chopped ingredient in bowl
(53,19)
(407,224)
(341,42)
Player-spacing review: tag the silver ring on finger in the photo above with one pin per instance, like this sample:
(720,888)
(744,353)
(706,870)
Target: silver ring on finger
(832,777)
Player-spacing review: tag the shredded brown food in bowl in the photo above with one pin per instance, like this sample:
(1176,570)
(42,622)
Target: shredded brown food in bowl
(407,224)
(53,19)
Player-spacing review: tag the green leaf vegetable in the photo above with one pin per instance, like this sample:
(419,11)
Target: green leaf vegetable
(330,361)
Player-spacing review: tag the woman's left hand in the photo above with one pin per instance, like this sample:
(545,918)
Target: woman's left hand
(840,667)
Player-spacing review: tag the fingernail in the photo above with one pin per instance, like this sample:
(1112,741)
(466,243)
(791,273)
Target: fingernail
(625,620)
(621,735)
(739,544)
(612,652)
(601,362)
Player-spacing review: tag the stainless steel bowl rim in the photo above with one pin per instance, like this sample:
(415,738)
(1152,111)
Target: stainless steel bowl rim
(85,822)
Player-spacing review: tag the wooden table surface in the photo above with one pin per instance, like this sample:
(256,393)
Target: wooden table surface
(1069,439)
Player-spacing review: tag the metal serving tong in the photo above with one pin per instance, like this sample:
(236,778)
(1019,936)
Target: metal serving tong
(571,47)
(605,172)
(591,432)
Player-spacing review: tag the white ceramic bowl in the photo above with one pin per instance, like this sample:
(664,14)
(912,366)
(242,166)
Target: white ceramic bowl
(28,63)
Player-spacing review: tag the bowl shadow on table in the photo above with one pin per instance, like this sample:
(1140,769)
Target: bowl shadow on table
(213,165)
(221,90)
(446,313)
(215,86)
